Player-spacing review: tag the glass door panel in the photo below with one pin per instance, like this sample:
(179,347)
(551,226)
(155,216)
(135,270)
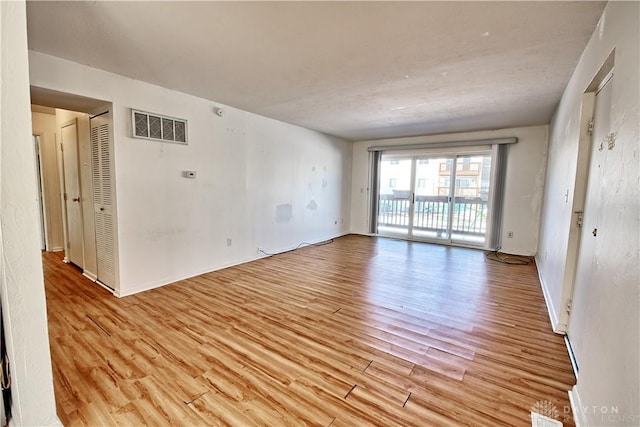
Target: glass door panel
(394,203)
(432,198)
(442,199)
(471,196)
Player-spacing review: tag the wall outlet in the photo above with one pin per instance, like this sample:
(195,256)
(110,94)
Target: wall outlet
(229,241)
(259,250)
(510,234)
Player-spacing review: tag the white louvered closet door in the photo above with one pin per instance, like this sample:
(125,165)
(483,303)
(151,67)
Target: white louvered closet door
(102,169)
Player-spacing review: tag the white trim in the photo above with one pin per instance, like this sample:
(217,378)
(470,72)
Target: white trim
(89,275)
(574,399)
(98,282)
(604,81)
(95,280)
(558,328)
(539,420)
(572,357)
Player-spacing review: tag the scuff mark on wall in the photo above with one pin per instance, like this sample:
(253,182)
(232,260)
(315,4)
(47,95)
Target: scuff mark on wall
(284,213)
(312,206)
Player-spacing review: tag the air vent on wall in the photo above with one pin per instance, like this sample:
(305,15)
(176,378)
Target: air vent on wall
(158,128)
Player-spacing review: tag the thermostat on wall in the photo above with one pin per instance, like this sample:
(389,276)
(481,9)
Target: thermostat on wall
(189,174)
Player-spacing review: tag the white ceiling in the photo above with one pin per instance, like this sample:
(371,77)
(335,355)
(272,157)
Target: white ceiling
(359,70)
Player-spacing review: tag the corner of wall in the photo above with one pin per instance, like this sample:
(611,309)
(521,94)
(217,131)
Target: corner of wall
(21,281)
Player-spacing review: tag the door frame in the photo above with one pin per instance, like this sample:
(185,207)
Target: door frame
(419,154)
(582,266)
(560,320)
(37,141)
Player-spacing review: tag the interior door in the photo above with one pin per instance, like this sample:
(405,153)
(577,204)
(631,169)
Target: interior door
(101,167)
(588,239)
(73,208)
(470,213)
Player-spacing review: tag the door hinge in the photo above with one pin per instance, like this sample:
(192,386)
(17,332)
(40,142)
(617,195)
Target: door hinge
(579,218)
(569,302)
(590,127)
(61,147)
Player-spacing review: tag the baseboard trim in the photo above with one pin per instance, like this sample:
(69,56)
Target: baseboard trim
(170,280)
(90,276)
(574,399)
(557,327)
(572,356)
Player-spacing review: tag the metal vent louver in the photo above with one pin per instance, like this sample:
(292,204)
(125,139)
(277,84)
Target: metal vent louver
(158,128)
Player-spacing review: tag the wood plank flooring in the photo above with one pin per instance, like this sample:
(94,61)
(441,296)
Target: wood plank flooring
(359,332)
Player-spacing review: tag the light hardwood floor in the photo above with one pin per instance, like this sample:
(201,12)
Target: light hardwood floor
(362,331)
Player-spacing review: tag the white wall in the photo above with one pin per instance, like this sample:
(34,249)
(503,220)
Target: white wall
(21,284)
(524,182)
(44,125)
(249,168)
(610,370)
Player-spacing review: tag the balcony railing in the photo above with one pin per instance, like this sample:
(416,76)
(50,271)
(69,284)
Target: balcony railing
(431,213)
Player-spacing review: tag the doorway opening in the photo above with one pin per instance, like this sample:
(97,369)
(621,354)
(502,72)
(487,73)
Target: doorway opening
(77,153)
(596,110)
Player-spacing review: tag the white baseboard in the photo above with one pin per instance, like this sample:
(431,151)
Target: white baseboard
(166,281)
(174,279)
(578,415)
(557,327)
(356,233)
(90,275)
(538,420)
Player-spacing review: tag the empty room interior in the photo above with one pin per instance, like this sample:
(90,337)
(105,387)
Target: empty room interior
(320,213)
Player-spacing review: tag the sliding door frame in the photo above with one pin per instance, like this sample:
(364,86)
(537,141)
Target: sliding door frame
(497,149)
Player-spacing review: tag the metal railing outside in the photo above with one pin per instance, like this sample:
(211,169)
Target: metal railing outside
(431,213)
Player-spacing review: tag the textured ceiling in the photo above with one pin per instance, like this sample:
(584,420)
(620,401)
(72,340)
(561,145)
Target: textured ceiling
(359,70)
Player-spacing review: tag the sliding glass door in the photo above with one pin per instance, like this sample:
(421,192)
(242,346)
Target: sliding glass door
(432,198)
(394,204)
(470,214)
(443,198)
